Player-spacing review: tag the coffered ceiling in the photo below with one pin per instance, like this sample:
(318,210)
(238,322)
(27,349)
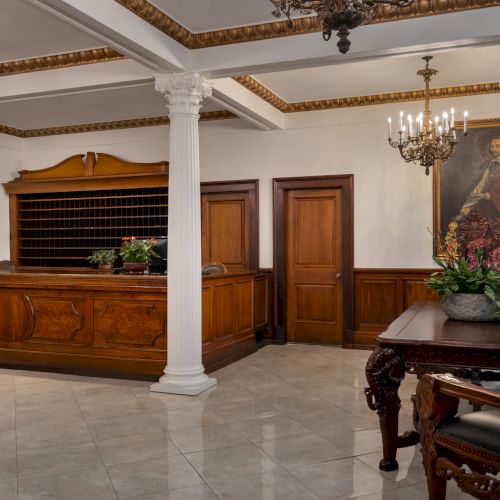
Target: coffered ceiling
(68,62)
(458,67)
(211,15)
(27,32)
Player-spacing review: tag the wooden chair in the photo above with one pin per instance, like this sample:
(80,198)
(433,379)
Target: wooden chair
(450,442)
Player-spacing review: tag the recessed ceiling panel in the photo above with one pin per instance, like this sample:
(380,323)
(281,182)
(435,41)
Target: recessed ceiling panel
(460,67)
(90,107)
(26,32)
(211,15)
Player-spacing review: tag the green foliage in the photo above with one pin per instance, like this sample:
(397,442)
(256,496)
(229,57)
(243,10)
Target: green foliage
(137,251)
(102,256)
(461,277)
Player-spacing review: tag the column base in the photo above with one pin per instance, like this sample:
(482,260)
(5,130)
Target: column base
(186,387)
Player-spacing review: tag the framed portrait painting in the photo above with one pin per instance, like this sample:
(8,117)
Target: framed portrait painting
(470,179)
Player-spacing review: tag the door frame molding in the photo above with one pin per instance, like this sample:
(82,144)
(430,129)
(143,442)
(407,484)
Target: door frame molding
(280,186)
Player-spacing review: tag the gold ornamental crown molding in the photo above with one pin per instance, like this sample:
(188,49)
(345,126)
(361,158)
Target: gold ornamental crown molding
(267,95)
(277,29)
(263,92)
(103,126)
(89,56)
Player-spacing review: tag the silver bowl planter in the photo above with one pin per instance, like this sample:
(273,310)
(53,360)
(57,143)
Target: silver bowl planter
(469,307)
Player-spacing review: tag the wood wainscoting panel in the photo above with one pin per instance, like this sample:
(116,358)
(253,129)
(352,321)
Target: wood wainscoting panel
(117,324)
(207,335)
(415,290)
(244,306)
(373,293)
(54,319)
(130,323)
(225,231)
(223,301)
(230,223)
(382,295)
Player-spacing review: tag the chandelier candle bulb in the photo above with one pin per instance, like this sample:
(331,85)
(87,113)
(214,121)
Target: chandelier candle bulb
(410,125)
(389,121)
(466,114)
(452,118)
(401,114)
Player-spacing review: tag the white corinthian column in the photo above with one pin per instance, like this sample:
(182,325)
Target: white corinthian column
(184,373)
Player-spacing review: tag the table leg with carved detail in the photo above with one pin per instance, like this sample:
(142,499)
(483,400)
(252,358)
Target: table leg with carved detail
(385,371)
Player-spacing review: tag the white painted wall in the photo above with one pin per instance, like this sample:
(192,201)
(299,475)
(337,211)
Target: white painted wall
(392,200)
(11,158)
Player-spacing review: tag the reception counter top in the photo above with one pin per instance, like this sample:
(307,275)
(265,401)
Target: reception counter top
(116,324)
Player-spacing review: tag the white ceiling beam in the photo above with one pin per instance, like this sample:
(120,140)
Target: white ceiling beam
(121,29)
(236,98)
(75,79)
(413,36)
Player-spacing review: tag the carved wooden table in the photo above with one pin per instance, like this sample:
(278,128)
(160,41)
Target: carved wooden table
(419,341)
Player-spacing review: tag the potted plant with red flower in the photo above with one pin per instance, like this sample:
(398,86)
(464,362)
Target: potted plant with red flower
(469,283)
(136,253)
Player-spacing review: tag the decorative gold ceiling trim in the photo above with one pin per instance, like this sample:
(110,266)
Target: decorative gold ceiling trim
(103,126)
(5,129)
(263,92)
(301,26)
(161,21)
(90,56)
(368,100)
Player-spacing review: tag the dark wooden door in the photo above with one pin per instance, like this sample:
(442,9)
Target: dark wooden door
(313,254)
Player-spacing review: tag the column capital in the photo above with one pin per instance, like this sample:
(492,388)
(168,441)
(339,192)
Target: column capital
(188,84)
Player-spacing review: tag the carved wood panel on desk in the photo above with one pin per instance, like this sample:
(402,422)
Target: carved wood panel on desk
(116,324)
(381,295)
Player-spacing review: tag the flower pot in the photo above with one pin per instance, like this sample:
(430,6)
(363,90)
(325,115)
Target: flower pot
(135,267)
(469,307)
(106,267)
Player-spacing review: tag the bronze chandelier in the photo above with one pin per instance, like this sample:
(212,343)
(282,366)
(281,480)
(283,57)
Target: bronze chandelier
(336,15)
(422,139)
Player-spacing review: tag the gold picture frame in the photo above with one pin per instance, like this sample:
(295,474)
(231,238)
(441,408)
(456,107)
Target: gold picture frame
(454,180)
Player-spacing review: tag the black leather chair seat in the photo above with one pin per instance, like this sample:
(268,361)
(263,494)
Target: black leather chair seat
(481,428)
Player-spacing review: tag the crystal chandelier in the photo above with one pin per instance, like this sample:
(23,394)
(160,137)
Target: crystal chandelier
(336,15)
(426,140)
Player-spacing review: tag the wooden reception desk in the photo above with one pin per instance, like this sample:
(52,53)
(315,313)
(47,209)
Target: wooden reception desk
(116,324)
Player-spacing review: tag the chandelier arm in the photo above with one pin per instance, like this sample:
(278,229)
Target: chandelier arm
(335,15)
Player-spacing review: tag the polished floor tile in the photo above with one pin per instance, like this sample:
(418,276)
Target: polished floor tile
(128,425)
(266,428)
(275,485)
(84,485)
(40,436)
(134,448)
(208,437)
(190,493)
(231,462)
(8,490)
(152,476)
(286,423)
(342,478)
(57,459)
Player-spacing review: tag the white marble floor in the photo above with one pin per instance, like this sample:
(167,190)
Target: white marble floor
(287,423)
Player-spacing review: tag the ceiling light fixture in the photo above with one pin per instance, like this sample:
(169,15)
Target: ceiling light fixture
(425,140)
(336,15)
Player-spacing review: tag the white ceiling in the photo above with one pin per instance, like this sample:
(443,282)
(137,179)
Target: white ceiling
(210,15)
(26,32)
(87,107)
(460,67)
(378,64)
